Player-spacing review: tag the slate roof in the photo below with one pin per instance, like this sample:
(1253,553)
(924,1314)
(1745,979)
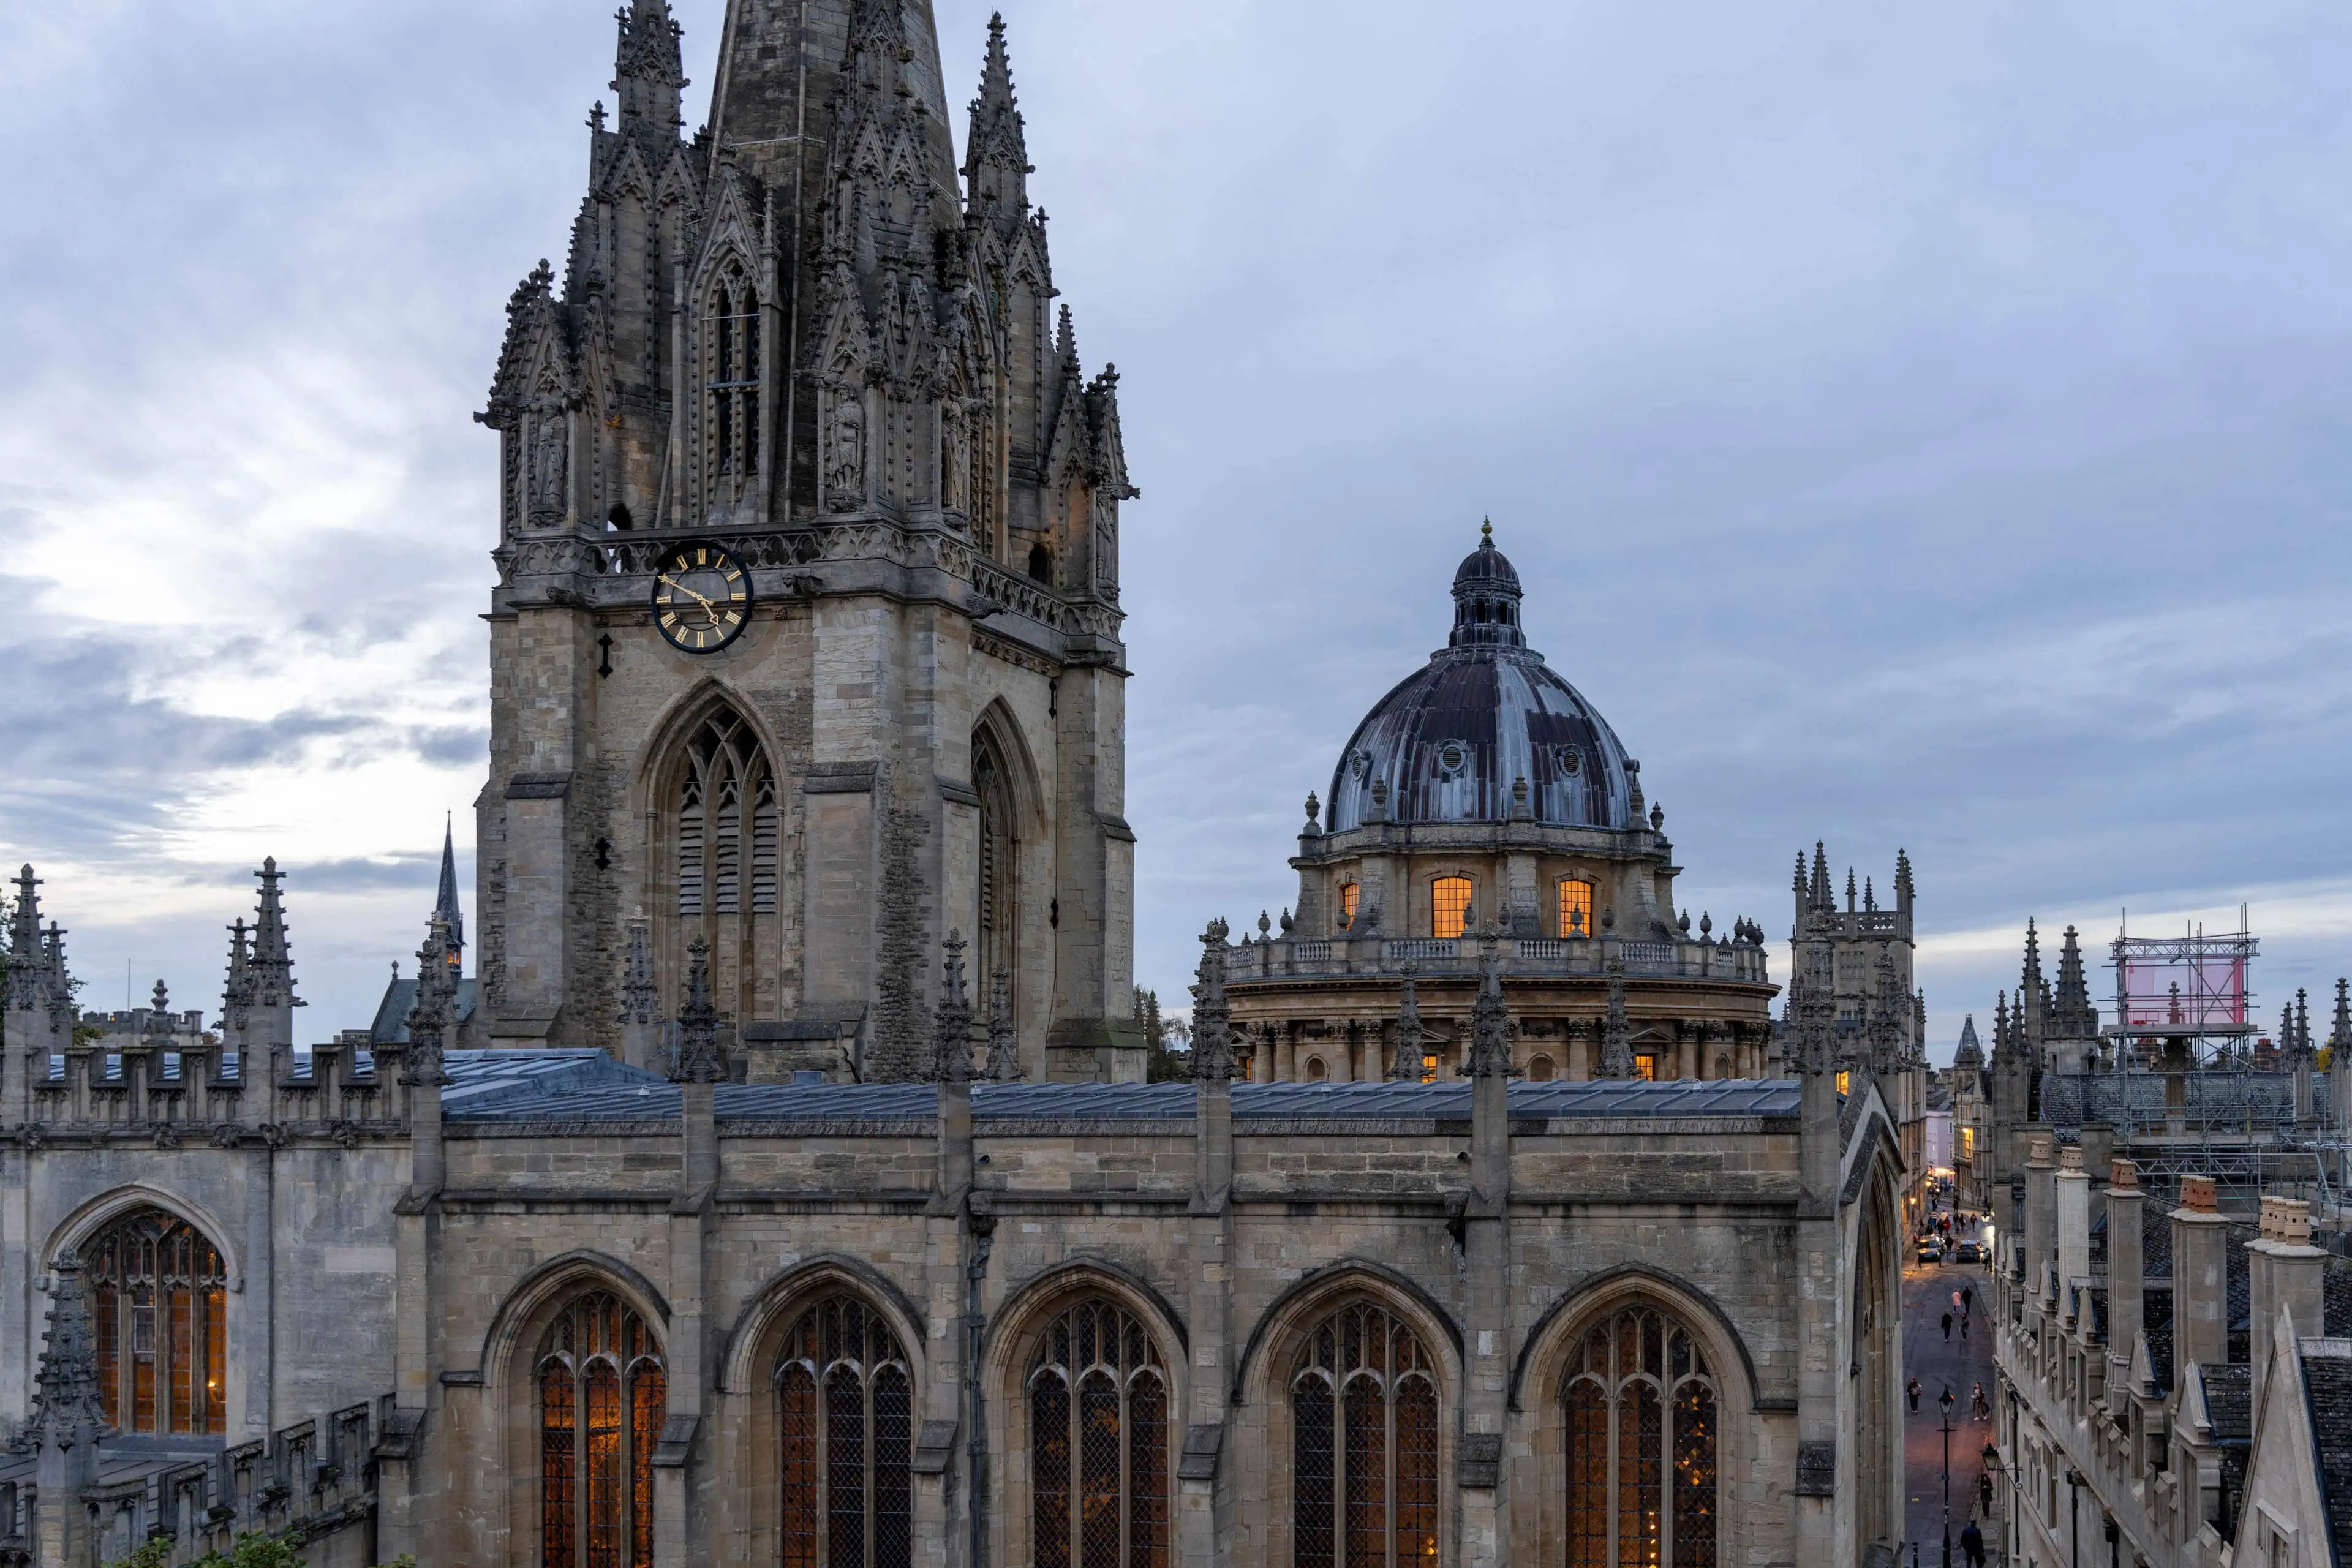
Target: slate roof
(2229,1405)
(2155,1241)
(588,1086)
(2137,1098)
(391,1025)
(2155,1322)
(2328,1384)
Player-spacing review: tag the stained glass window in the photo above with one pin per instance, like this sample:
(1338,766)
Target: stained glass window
(1099,1442)
(160,1295)
(1633,1500)
(1449,905)
(845,1416)
(603,1396)
(1364,1483)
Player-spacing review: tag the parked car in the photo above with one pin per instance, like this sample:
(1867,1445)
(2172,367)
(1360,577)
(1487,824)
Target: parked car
(1969,1252)
(1931,1251)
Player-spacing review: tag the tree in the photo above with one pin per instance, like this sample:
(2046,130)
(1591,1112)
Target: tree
(1167,1041)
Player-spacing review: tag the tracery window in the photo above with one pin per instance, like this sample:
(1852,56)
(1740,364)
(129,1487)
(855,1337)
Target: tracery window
(603,1392)
(1641,1443)
(1099,1439)
(734,383)
(1363,1403)
(726,837)
(845,1403)
(1449,905)
(1575,908)
(158,1298)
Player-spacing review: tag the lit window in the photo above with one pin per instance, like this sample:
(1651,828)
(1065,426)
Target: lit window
(1429,1069)
(1364,1456)
(1098,1431)
(1841,1082)
(1347,891)
(603,1394)
(1449,902)
(1575,909)
(1645,1066)
(159,1310)
(847,1427)
(1641,1446)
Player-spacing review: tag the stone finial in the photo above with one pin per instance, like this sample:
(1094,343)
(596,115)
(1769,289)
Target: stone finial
(700,1058)
(272,960)
(1657,819)
(2197,1195)
(1265,922)
(1404,1065)
(2286,1220)
(2123,1177)
(1314,813)
(640,998)
(1003,1041)
(434,1009)
(2339,1035)
(952,1023)
(1706,923)
(1212,1034)
(236,991)
(69,1410)
(1490,1017)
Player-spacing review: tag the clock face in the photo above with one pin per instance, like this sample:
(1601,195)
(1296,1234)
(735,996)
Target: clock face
(702,598)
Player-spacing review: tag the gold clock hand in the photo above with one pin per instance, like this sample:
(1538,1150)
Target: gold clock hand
(687,590)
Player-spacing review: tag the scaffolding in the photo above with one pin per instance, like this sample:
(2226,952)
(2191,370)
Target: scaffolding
(2181,1002)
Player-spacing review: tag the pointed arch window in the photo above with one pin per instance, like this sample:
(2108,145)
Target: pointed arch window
(1099,1436)
(734,382)
(999,854)
(845,1400)
(602,1388)
(1642,1446)
(726,803)
(160,1304)
(1364,1444)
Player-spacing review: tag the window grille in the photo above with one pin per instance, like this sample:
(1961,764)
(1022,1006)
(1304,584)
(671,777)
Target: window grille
(1348,892)
(1449,902)
(735,378)
(763,845)
(1364,1405)
(1099,1443)
(603,1392)
(1641,1490)
(159,1293)
(1575,908)
(845,1417)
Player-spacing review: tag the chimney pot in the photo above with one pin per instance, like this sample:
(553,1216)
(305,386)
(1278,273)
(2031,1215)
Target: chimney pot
(2124,1173)
(2197,1194)
(2287,1220)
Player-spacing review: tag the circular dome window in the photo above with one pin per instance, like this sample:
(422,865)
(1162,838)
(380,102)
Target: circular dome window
(1568,760)
(1452,758)
(1359,764)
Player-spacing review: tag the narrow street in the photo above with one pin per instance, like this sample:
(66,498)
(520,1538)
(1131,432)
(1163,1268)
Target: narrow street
(1960,1364)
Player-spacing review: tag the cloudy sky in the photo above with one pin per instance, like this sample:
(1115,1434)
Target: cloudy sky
(1918,426)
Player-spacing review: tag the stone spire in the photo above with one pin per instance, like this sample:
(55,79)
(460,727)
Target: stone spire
(1812,1010)
(952,1021)
(34,976)
(1969,1055)
(2074,1017)
(700,1058)
(273,955)
(2339,1035)
(1405,1064)
(1213,1017)
(444,901)
(1823,899)
(434,1009)
(1003,1041)
(996,150)
(1616,1034)
(1904,889)
(1887,1035)
(2294,1038)
(68,1411)
(236,988)
(647,70)
(640,997)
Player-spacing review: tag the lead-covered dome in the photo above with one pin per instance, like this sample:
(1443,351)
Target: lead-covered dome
(1450,741)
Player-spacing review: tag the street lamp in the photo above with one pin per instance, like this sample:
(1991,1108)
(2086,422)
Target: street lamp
(1943,1403)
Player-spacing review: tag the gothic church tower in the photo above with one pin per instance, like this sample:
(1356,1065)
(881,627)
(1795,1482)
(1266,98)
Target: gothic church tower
(806,642)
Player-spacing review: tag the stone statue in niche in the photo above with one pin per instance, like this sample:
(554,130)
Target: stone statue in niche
(957,460)
(845,451)
(550,456)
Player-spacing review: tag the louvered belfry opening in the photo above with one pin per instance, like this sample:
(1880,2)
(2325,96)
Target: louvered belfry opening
(1099,1434)
(844,1399)
(997,873)
(601,1393)
(731,348)
(1364,1415)
(1642,1446)
(724,848)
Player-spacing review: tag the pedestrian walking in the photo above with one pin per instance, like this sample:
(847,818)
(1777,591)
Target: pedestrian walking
(1967,1300)
(1948,1325)
(1912,1389)
(1964,1327)
(1972,1544)
(1977,1405)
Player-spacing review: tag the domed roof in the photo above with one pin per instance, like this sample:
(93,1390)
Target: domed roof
(1453,737)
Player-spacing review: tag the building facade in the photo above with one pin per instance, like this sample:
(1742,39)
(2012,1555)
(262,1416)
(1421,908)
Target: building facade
(781,1190)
